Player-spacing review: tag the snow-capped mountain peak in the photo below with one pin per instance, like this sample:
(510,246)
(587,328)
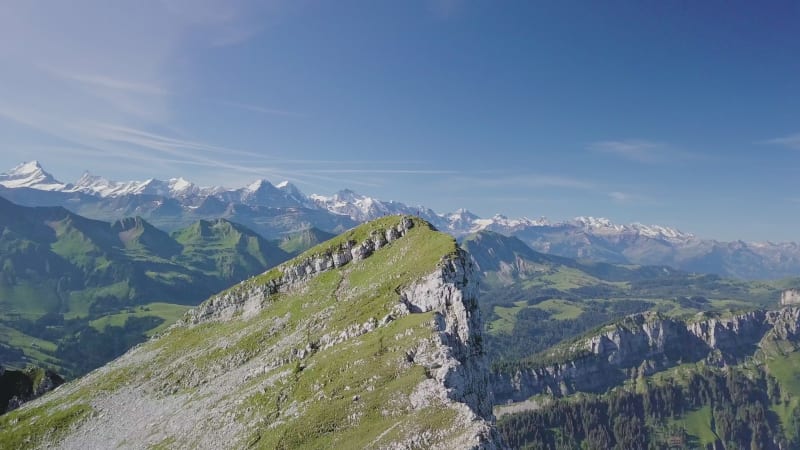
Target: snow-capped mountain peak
(360,207)
(261,193)
(180,184)
(503,224)
(30,175)
(348,195)
(292,192)
(462,214)
(595,223)
(600,225)
(289,189)
(258,185)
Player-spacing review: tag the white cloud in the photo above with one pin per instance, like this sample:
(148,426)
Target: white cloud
(505,180)
(632,149)
(792,141)
(261,109)
(104,82)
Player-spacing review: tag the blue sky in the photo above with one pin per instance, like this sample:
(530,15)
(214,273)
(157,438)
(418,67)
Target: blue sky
(684,114)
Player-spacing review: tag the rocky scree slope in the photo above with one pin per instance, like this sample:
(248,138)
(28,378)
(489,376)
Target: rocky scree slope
(642,344)
(370,340)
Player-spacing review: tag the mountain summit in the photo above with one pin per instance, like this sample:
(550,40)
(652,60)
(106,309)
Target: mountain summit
(30,175)
(370,340)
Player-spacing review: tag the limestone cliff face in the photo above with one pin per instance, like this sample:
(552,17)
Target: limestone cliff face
(455,358)
(790,297)
(643,344)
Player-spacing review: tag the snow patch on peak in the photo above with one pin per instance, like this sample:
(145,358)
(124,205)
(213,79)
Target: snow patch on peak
(320,198)
(180,184)
(605,226)
(503,224)
(28,167)
(595,222)
(258,184)
(30,175)
(348,195)
(462,214)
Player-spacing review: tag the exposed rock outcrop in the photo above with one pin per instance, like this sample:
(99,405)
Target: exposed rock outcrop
(790,297)
(456,360)
(250,295)
(642,344)
(20,386)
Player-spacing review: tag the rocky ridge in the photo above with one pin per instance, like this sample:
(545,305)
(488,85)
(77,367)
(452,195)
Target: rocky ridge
(282,365)
(250,294)
(643,344)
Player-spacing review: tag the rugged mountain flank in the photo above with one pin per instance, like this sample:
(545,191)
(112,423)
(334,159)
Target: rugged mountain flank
(370,340)
(643,344)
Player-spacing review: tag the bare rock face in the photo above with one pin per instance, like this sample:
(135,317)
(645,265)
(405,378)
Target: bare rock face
(645,343)
(785,324)
(790,297)
(20,386)
(456,360)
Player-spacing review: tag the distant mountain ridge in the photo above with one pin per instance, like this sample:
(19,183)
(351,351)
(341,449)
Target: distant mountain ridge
(276,210)
(358,207)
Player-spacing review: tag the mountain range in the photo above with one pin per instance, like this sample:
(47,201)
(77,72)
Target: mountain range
(275,210)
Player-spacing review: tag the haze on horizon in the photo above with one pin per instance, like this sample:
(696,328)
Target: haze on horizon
(678,114)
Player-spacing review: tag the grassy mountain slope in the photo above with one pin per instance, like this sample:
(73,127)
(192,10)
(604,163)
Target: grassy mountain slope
(60,273)
(297,242)
(532,300)
(226,249)
(317,353)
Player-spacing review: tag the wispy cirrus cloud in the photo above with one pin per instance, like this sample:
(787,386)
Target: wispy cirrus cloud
(527,181)
(791,141)
(90,60)
(106,144)
(263,110)
(631,149)
(642,151)
(99,81)
(624,197)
